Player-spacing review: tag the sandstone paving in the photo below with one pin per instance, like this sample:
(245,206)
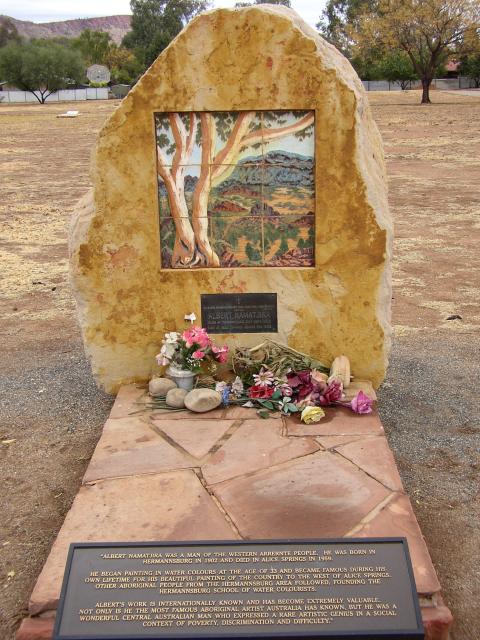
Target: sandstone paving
(373,455)
(317,496)
(397,519)
(197,437)
(168,506)
(130,400)
(256,444)
(129,446)
(338,421)
(249,478)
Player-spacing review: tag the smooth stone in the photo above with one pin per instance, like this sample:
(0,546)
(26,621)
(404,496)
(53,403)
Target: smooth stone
(176,398)
(202,400)
(160,386)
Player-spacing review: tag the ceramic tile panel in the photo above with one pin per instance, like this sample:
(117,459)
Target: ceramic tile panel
(289,241)
(250,167)
(238,241)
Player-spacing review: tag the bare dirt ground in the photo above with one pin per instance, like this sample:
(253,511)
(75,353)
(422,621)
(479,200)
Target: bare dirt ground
(52,413)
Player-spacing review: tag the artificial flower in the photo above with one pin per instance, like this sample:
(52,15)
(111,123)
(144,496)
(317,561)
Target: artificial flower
(260,392)
(264,378)
(319,377)
(171,337)
(333,393)
(221,386)
(220,353)
(226,396)
(361,403)
(196,335)
(286,390)
(237,387)
(198,354)
(312,414)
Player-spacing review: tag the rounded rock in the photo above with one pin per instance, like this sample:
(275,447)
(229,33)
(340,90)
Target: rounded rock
(202,400)
(176,398)
(160,386)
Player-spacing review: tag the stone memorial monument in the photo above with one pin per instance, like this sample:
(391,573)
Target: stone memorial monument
(245,161)
(242,181)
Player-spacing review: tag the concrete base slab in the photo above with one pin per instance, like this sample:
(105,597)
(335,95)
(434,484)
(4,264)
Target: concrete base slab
(228,474)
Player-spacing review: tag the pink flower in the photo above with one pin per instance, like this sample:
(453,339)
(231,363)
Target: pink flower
(196,335)
(333,393)
(264,378)
(220,353)
(198,355)
(286,390)
(361,403)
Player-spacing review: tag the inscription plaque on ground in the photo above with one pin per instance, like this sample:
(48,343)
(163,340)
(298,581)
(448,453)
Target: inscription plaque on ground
(327,589)
(239,312)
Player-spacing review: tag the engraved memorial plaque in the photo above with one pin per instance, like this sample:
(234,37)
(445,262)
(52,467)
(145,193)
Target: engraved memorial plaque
(240,312)
(327,589)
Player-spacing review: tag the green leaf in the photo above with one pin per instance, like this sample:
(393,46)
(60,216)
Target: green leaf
(263,413)
(267,404)
(292,407)
(277,395)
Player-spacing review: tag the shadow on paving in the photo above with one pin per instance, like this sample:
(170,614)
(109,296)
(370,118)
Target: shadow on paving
(54,412)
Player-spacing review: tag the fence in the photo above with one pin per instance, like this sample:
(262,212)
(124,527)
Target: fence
(442,84)
(64,95)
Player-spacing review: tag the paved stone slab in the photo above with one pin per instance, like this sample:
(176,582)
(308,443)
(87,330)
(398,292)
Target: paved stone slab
(257,444)
(164,414)
(337,421)
(373,455)
(331,442)
(130,398)
(398,519)
(35,629)
(246,413)
(167,506)
(321,495)
(195,436)
(129,446)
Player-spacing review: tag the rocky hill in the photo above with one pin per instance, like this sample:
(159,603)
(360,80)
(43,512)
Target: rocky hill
(116,26)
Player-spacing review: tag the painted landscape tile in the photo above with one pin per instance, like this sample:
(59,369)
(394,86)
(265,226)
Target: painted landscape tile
(236,189)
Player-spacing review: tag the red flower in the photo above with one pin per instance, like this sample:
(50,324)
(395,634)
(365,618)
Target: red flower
(333,393)
(262,393)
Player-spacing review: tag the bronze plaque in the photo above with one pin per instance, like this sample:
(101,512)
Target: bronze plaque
(327,589)
(239,312)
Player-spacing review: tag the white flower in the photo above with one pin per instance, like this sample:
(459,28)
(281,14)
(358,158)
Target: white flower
(171,337)
(237,387)
(191,316)
(221,386)
(264,378)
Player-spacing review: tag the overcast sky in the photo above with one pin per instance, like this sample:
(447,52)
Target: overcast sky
(51,10)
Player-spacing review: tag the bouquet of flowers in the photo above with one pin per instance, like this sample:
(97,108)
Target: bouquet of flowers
(192,350)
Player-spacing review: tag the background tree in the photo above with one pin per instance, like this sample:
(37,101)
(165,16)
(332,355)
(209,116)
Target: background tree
(470,67)
(338,19)
(8,32)
(40,67)
(426,30)
(93,45)
(396,66)
(155,23)
(124,66)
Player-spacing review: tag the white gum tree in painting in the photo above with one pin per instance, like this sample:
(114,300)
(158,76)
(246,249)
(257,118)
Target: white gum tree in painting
(221,138)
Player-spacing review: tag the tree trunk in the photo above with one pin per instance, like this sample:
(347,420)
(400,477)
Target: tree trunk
(206,254)
(426,82)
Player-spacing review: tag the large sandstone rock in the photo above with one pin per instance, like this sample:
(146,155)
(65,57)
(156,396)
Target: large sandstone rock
(256,58)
